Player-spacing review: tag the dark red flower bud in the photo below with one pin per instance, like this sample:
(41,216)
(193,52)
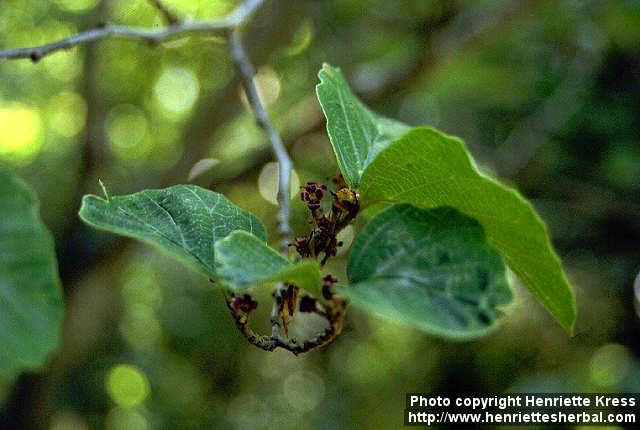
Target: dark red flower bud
(244,303)
(312,193)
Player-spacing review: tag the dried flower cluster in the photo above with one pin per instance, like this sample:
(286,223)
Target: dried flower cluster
(321,243)
(322,240)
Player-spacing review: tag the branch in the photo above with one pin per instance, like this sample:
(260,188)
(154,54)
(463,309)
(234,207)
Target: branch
(247,72)
(219,27)
(243,64)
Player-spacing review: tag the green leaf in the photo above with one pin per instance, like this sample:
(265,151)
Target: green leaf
(184,221)
(356,133)
(430,268)
(243,260)
(430,169)
(31,306)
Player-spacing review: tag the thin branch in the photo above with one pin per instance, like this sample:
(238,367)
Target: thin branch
(247,72)
(170,17)
(219,27)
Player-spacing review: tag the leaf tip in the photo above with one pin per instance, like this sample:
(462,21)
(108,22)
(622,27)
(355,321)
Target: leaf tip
(328,70)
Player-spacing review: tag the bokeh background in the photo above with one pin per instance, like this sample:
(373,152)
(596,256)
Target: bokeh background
(545,93)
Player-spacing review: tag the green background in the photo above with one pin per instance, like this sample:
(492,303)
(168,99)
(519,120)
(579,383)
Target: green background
(546,94)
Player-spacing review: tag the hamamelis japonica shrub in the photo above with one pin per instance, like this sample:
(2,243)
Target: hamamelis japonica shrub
(434,254)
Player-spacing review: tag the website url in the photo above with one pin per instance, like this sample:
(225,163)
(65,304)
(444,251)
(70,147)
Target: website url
(516,418)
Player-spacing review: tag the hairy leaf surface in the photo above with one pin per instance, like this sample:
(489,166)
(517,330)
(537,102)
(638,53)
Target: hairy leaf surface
(430,268)
(31,308)
(428,169)
(184,221)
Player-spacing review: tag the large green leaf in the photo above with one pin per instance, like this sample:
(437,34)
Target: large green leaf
(243,260)
(431,268)
(357,134)
(184,221)
(31,308)
(429,169)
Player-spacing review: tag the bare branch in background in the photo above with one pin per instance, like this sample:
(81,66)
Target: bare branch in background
(219,27)
(247,73)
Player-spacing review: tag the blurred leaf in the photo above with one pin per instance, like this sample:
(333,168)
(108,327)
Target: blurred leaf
(243,260)
(429,169)
(431,268)
(31,308)
(184,221)
(356,133)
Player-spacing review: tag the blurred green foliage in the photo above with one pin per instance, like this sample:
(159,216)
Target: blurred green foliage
(546,94)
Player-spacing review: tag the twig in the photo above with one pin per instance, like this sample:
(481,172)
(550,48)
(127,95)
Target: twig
(243,64)
(247,73)
(170,17)
(219,27)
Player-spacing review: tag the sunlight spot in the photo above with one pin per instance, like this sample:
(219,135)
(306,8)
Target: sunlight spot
(20,131)
(301,39)
(176,90)
(303,390)
(267,83)
(125,419)
(346,237)
(127,385)
(610,364)
(140,326)
(67,113)
(126,128)
(64,66)
(268,182)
